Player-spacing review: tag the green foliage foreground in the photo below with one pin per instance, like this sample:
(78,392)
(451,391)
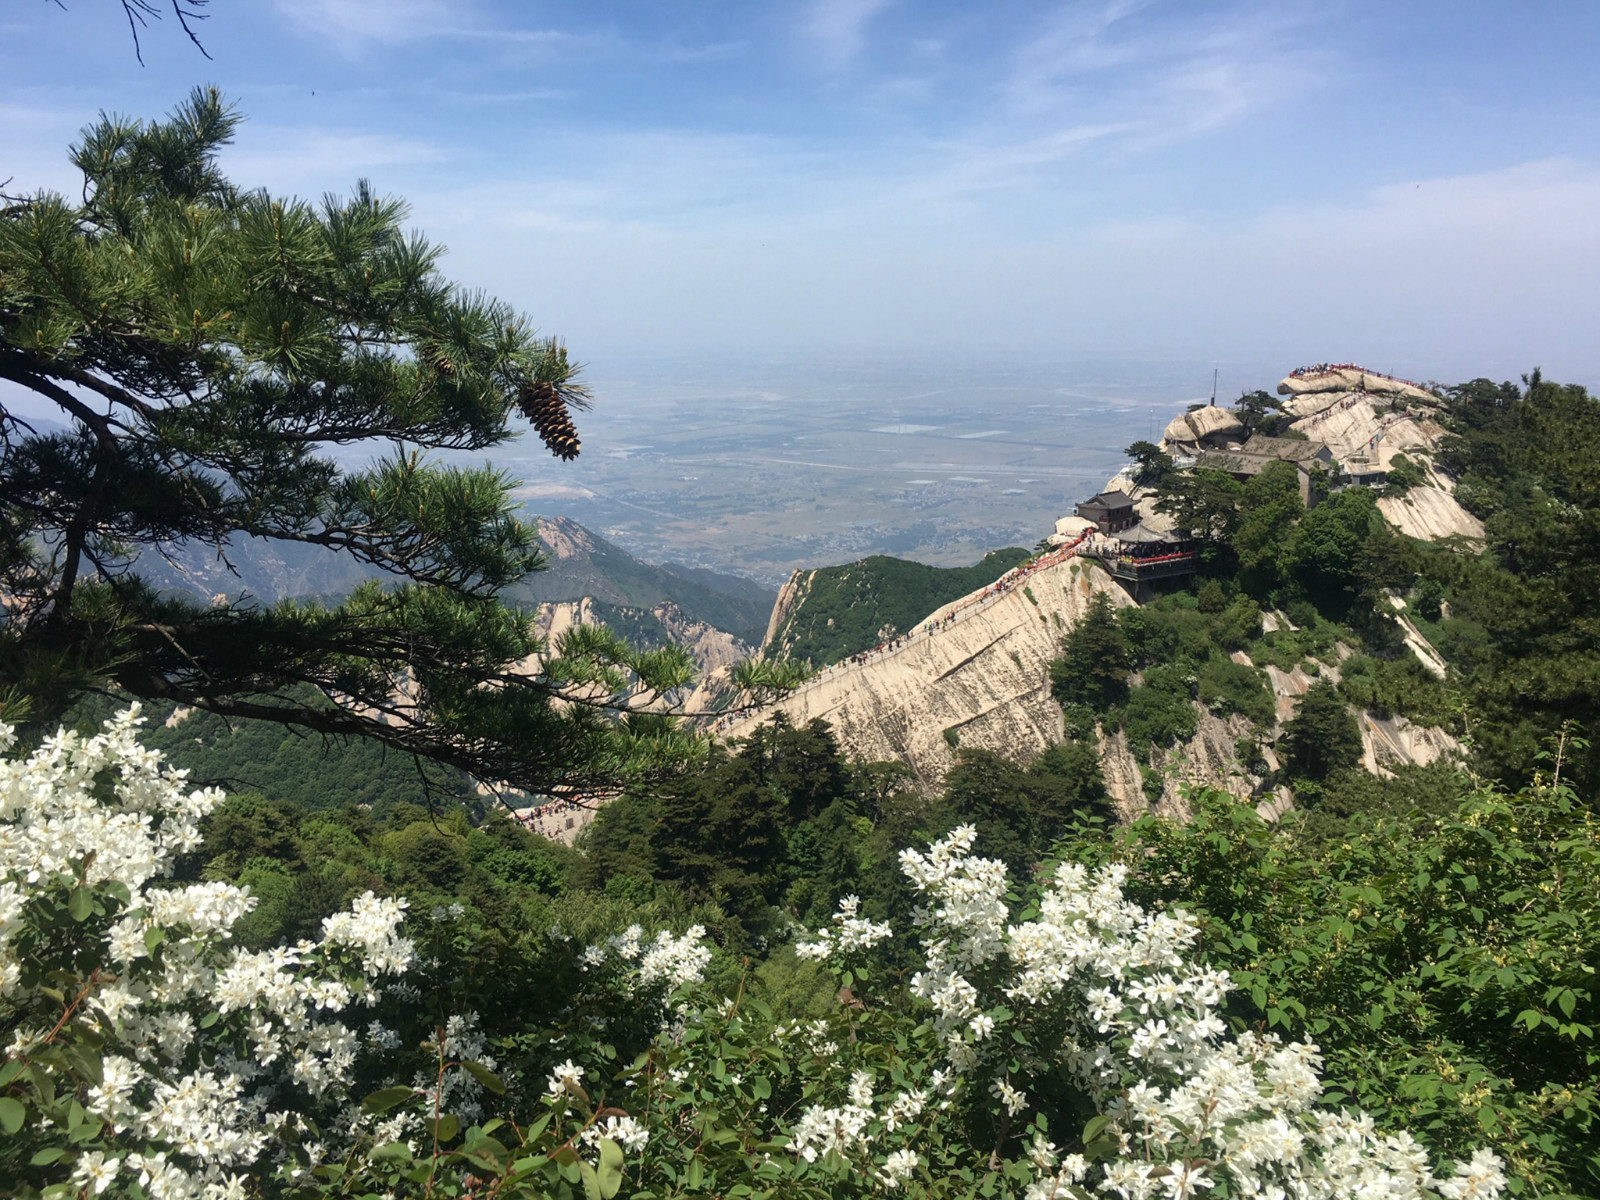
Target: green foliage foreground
(1060,1042)
(1444,964)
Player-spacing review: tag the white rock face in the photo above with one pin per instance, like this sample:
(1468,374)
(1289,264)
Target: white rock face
(1209,423)
(1430,513)
(985,677)
(1352,379)
(1349,421)
(711,649)
(709,646)
(790,595)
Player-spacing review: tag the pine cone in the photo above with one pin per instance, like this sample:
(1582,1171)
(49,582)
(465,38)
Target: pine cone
(436,358)
(542,404)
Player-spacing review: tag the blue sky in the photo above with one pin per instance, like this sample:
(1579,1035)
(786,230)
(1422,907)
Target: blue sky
(1410,185)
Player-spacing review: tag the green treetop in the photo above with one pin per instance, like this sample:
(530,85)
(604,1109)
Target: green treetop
(214,354)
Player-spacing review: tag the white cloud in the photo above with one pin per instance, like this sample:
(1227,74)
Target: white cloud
(836,29)
(1488,272)
(309,161)
(353,23)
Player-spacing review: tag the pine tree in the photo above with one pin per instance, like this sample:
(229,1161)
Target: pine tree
(1093,667)
(208,349)
(1322,736)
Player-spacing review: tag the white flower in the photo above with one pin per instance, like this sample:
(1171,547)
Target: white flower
(1013,1099)
(898,1167)
(625,1131)
(822,1131)
(95,1172)
(861,1089)
(565,1077)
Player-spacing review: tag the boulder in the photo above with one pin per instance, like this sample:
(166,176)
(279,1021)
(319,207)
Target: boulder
(1203,424)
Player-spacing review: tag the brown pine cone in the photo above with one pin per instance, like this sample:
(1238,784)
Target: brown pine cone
(542,404)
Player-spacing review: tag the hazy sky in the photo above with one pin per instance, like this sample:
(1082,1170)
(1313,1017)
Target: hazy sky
(1410,185)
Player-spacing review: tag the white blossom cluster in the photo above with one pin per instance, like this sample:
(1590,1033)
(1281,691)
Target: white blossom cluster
(851,932)
(1191,1111)
(188,1101)
(966,923)
(822,1130)
(665,963)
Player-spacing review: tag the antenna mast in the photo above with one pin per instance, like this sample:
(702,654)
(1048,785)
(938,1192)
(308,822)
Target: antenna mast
(1214,386)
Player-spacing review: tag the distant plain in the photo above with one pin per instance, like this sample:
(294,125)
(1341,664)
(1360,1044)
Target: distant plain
(762,469)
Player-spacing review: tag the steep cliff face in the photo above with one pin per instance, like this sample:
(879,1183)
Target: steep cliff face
(982,680)
(790,596)
(1353,423)
(712,649)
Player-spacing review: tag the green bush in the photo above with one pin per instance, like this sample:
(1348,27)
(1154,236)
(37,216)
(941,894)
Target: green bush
(1403,476)
(1443,961)
(1398,687)
(1225,686)
(1159,711)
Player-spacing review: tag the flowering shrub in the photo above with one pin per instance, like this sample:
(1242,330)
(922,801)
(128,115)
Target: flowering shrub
(149,1058)
(143,1049)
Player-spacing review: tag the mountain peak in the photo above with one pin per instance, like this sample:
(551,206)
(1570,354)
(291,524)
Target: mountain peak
(565,538)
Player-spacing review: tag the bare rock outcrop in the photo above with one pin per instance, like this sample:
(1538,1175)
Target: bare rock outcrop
(1361,424)
(982,681)
(708,646)
(790,596)
(1431,513)
(1351,378)
(1203,425)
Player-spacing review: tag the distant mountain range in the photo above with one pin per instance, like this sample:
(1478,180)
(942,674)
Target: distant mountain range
(582,565)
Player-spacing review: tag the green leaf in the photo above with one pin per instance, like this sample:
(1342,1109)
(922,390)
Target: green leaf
(48,1155)
(591,1182)
(386,1098)
(609,1172)
(485,1076)
(1095,1127)
(446,1127)
(11,1114)
(80,904)
(153,937)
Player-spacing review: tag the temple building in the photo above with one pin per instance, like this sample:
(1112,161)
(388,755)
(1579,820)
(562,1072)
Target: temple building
(1249,460)
(1108,511)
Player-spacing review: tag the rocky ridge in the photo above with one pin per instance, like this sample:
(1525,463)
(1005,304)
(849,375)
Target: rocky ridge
(983,680)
